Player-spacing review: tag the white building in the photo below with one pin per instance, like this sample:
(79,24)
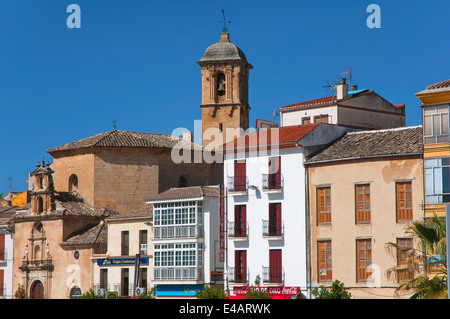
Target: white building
(185,241)
(351,108)
(265,184)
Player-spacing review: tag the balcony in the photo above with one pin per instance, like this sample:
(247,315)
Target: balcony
(238,275)
(273,275)
(273,228)
(174,232)
(238,231)
(272,182)
(237,184)
(178,273)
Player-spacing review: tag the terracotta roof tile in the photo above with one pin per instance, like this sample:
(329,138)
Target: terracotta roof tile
(374,143)
(186,193)
(90,234)
(439,85)
(119,138)
(270,137)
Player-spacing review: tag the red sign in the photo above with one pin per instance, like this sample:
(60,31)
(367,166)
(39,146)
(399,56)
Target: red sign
(221,225)
(276,291)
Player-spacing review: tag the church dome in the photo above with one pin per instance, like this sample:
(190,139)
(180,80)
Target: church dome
(223,50)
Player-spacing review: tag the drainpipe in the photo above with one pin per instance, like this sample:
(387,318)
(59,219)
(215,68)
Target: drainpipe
(307,226)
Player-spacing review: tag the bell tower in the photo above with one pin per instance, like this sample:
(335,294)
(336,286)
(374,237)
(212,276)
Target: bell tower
(42,191)
(225,108)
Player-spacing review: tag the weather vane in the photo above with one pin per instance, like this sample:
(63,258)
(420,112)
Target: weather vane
(224,22)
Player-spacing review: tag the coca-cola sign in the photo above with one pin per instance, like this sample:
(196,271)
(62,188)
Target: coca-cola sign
(276,291)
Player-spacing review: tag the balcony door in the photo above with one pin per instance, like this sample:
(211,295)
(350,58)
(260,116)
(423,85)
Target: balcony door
(240,175)
(240,263)
(276,272)
(275,219)
(240,221)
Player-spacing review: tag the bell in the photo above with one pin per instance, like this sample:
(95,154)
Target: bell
(221,88)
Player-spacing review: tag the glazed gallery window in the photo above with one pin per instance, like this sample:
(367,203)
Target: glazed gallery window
(177,213)
(169,255)
(323,205)
(362,203)
(435,124)
(437,180)
(404,201)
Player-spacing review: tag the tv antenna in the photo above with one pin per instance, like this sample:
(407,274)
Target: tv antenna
(10,184)
(224,22)
(275,114)
(331,85)
(114,123)
(348,75)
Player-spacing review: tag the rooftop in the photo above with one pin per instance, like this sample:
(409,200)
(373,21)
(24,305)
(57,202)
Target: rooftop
(223,50)
(275,136)
(373,143)
(117,138)
(186,193)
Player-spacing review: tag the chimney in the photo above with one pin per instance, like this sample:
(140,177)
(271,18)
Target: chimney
(188,136)
(341,89)
(354,87)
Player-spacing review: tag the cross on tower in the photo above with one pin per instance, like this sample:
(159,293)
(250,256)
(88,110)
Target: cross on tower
(224,22)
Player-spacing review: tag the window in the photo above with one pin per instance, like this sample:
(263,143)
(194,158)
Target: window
(104,278)
(182,181)
(306,120)
(240,263)
(73,183)
(363,259)
(143,280)
(240,221)
(240,175)
(40,205)
(404,201)
(362,203)
(404,245)
(322,118)
(275,222)
(437,180)
(143,241)
(323,205)
(125,281)
(276,266)
(275,172)
(435,124)
(125,243)
(221,84)
(2,247)
(324,260)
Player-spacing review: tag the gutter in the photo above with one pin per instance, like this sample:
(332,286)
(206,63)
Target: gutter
(363,157)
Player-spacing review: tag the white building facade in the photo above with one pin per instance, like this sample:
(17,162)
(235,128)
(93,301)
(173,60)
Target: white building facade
(6,262)
(267,224)
(185,241)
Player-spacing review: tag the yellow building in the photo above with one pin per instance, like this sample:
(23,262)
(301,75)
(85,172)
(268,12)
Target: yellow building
(435,108)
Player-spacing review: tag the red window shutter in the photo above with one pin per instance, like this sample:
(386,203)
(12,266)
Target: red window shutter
(275,265)
(2,280)
(2,247)
(240,175)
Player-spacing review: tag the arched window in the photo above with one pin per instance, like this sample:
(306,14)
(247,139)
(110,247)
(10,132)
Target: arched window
(39,181)
(221,84)
(182,182)
(39,204)
(73,183)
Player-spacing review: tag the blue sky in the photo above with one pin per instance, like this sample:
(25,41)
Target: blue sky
(135,61)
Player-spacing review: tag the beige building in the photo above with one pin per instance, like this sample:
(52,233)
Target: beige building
(114,272)
(363,190)
(119,170)
(54,241)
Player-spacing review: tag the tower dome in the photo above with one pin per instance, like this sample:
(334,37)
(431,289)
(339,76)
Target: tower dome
(223,50)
